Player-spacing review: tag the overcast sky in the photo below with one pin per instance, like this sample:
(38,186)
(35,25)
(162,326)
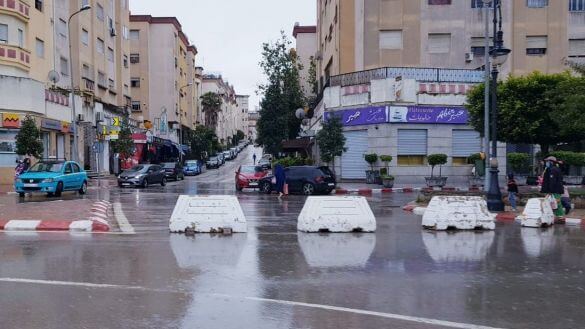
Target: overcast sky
(229,33)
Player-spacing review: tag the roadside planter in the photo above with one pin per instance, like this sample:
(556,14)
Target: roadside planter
(372,176)
(387,180)
(436,160)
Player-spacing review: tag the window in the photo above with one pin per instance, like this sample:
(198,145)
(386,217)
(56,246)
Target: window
(464,143)
(64,64)
(68,169)
(3,33)
(85,72)
(136,106)
(126,61)
(101,79)
(576,5)
(110,55)
(480,4)
(100,12)
(391,39)
(134,58)
(135,82)
(84,37)
(40,48)
(62,28)
(20,38)
(125,32)
(412,147)
(577,48)
(126,90)
(39,5)
(75,167)
(478,46)
(7,141)
(84,3)
(536,45)
(100,46)
(439,43)
(134,34)
(439,2)
(111,84)
(536,3)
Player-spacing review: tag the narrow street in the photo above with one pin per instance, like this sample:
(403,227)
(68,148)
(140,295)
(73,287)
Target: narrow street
(274,277)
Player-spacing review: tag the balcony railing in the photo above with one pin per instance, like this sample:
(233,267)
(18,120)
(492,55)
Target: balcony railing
(17,8)
(419,74)
(88,85)
(15,56)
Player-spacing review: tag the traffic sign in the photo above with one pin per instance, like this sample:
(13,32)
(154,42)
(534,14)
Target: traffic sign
(116,122)
(97,147)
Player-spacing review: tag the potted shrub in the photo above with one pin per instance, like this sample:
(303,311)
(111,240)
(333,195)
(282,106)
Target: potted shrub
(387,180)
(436,160)
(372,176)
(518,162)
(478,162)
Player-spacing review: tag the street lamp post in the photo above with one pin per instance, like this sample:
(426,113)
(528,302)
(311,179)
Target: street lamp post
(181,122)
(71,73)
(499,55)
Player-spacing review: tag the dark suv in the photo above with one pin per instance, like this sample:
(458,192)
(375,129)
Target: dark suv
(307,180)
(173,170)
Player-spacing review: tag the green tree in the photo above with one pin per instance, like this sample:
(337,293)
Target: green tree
(124,145)
(282,95)
(331,140)
(28,139)
(202,142)
(211,105)
(568,115)
(526,109)
(434,160)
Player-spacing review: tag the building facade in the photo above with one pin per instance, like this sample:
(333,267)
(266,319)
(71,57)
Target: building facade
(243,102)
(306,49)
(357,35)
(165,81)
(252,123)
(224,122)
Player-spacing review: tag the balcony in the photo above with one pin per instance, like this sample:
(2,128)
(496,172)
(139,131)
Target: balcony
(16,8)
(15,56)
(87,85)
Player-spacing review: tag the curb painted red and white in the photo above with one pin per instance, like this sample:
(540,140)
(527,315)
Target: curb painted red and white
(97,222)
(370,191)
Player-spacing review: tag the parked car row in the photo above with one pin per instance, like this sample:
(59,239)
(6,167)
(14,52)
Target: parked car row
(144,175)
(219,159)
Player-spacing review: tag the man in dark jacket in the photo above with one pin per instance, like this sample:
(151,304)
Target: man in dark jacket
(552,183)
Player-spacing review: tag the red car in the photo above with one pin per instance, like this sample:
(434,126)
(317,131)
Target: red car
(248,177)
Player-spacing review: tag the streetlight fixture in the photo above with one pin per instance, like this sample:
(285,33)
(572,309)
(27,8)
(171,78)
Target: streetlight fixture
(71,73)
(499,56)
(181,122)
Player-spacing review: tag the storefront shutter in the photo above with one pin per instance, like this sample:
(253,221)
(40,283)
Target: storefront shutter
(412,142)
(465,143)
(353,165)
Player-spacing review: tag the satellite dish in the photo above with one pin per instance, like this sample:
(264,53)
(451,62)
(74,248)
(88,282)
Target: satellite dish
(300,114)
(53,76)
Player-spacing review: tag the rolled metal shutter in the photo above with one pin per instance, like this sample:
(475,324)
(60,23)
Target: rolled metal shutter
(412,142)
(465,143)
(353,165)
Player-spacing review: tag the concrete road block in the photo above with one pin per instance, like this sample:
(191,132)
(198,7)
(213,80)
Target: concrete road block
(336,214)
(537,213)
(208,214)
(460,212)
(22,225)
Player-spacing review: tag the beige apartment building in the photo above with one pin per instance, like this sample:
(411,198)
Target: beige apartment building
(223,122)
(165,80)
(306,48)
(357,35)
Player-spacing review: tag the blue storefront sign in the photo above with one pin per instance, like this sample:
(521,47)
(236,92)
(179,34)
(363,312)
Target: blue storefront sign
(362,116)
(51,124)
(401,114)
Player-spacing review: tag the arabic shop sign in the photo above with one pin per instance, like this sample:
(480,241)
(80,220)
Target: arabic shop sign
(429,114)
(363,116)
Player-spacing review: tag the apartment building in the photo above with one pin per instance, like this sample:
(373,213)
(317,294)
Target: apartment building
(306,48)
(243,102)
(252,124)
(356,35)
(165,80)
(225,121)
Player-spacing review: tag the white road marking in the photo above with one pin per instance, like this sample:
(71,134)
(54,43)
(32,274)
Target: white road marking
(123,222)
(399,317)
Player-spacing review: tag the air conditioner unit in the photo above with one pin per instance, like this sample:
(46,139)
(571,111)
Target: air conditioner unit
(99,116)
(468,57)
(80,118)
(112,32)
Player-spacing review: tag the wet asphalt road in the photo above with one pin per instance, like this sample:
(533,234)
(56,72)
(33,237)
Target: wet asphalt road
(274,277)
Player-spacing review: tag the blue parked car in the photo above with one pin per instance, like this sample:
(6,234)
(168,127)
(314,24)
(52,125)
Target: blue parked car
(192,168)
(52,177)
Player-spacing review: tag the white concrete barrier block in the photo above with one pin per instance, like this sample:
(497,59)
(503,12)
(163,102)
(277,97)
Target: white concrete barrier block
(22,225)
(336,214)
(460,212)
(208,214)
(81,226)
(419,211)
(537,213)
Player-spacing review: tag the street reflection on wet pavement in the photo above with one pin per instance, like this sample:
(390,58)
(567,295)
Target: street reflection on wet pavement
(273,277)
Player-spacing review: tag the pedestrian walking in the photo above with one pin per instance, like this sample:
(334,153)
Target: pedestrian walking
(280,176)
(566,201)
(512,191)
(254,157)
(552,184)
